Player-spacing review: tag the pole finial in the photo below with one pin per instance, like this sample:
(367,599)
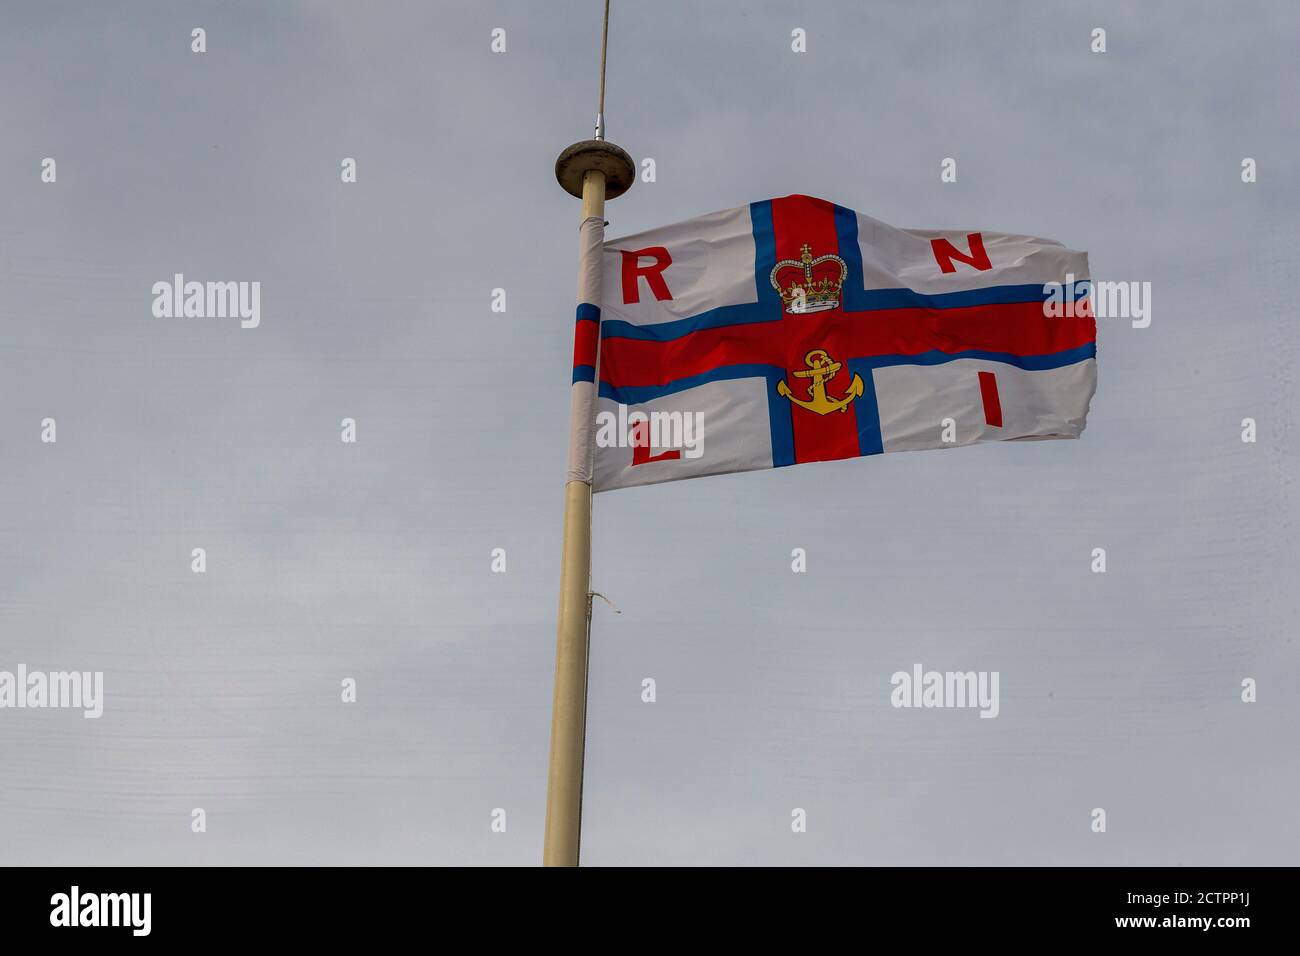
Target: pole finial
(604,46)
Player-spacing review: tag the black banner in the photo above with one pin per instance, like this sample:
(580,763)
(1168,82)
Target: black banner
(231,905)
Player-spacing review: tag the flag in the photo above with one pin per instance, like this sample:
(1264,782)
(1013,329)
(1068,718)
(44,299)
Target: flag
(794,330)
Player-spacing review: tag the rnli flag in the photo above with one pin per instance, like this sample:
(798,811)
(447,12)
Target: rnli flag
(795,330)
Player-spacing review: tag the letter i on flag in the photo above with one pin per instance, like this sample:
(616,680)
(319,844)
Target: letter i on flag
(795,330)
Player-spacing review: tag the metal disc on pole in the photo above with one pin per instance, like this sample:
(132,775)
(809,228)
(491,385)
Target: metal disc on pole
(613,161)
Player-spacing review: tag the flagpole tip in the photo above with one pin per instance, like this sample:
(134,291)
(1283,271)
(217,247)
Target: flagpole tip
(613,161)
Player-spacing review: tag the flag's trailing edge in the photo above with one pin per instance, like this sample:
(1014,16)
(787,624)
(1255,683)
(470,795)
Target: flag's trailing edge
(794,330)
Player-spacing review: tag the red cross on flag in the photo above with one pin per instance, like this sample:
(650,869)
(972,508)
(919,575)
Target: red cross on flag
(795,330)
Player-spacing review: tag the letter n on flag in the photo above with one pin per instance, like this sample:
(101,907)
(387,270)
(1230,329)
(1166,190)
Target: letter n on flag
(797,331)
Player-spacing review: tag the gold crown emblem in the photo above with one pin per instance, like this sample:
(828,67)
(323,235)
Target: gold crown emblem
(807,284)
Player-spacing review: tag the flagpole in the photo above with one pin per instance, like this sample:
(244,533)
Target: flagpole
(592,170)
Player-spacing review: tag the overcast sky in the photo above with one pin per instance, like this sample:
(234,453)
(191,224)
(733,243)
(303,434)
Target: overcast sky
(372,560)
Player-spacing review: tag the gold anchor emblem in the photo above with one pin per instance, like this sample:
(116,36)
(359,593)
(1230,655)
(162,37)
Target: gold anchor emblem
(821,368)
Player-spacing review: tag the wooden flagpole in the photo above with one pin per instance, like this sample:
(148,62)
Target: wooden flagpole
(594,171)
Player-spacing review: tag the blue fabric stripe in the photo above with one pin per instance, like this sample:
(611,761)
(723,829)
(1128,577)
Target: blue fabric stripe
(781,422)
(846,233)
(867,410)
(768,301)
(588,311)
(713,319)
(584,373)
(1030,363)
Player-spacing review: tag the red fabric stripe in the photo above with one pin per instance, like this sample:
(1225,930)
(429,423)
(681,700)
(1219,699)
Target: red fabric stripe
(797,220)
(586,334)
(1020,329)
